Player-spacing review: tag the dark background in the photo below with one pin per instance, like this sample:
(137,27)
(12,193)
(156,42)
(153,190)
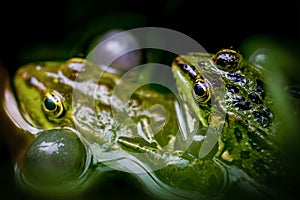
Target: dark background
(56,30)
(32,30)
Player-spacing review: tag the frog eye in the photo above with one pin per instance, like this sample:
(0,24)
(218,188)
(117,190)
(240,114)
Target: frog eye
(201,91)
(52,105)
(228,59)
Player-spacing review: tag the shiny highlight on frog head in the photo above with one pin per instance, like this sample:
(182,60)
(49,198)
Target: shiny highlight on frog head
(73,67)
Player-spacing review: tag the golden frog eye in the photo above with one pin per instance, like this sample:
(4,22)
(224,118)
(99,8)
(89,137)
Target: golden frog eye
(228,59)
(52,105)
(201,91)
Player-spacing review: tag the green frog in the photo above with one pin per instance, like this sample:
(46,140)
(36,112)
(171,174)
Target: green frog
(236,89)
(75,134)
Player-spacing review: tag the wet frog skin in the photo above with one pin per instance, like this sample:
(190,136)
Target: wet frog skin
(248,136)
(45,90)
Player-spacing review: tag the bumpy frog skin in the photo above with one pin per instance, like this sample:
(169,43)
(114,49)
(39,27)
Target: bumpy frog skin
(245,149)
(247,138)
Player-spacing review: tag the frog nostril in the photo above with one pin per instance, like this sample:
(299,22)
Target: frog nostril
(55,157)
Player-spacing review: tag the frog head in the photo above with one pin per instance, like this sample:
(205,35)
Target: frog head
(75,138)
(57,156)
(231,84)
(225,79)
(44,91)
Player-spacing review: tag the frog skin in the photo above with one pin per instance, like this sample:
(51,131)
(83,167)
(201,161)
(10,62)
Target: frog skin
(248,136)
(44,92)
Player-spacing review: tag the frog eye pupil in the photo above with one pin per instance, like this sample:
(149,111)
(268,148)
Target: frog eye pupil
(198,89)
(201,91)
(52,105)
(49,104)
